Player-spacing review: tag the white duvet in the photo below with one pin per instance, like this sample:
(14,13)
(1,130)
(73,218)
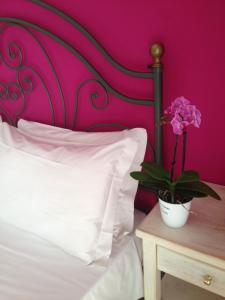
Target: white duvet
(34,269)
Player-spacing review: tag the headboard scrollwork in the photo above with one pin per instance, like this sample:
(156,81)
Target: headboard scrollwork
(27,78)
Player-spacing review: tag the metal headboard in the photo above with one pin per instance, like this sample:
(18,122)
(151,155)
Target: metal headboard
(24,84)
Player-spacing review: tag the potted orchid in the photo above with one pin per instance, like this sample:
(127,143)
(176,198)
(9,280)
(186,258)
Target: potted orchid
(176,193)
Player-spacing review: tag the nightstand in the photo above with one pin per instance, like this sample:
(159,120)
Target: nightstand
(194,253)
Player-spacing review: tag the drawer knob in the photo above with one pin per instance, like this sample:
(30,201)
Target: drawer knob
(207,279)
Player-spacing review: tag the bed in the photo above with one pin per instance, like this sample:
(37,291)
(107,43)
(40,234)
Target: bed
(67,148)
(31,268)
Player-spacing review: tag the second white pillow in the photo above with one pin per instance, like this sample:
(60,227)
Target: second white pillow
(125,208)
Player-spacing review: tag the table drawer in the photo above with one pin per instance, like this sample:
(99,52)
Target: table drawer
(191,270)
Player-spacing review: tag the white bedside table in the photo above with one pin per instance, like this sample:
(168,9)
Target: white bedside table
(194,253)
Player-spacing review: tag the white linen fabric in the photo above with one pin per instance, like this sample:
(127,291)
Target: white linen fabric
(63,192)
(125,205)
(34,269)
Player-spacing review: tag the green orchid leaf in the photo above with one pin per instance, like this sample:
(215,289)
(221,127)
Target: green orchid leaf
(198,186)
(155,186)
(141,176)
(149,182)
(155,170)
(149,187)
(188,176)
(190,194)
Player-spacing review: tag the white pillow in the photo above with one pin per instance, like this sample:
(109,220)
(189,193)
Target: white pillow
(63,192)
(125,209)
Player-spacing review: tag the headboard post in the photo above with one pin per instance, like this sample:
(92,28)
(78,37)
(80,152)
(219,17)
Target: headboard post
(157,51)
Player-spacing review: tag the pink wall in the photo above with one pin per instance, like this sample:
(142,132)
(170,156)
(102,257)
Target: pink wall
(194,62)
(193,34)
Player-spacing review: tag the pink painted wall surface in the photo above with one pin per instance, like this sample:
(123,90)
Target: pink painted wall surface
(193,33)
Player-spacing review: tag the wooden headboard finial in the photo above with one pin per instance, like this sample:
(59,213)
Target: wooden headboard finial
(156,51)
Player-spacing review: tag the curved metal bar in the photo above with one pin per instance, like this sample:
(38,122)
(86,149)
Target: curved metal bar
(22,107)
(82,59)
(2,28)
(90,37)
(27,81)
(53,71)
(117,125)
(3,91)
(10,121)
(13,55)
(44,85)
(93,95)
(7,94)
(13,96)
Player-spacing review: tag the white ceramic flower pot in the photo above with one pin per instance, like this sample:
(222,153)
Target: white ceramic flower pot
(174,215)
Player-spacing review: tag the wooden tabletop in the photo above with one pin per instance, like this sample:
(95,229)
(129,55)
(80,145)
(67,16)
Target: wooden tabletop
(204,231)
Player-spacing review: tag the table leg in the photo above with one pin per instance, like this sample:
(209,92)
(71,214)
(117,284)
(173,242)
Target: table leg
(152,278)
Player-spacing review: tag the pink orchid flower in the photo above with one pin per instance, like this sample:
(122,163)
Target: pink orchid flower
(183,114)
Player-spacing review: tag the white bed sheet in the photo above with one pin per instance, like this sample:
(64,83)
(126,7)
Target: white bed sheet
(34,269)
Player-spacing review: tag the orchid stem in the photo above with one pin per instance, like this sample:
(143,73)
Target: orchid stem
(174,158)
(184,150)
